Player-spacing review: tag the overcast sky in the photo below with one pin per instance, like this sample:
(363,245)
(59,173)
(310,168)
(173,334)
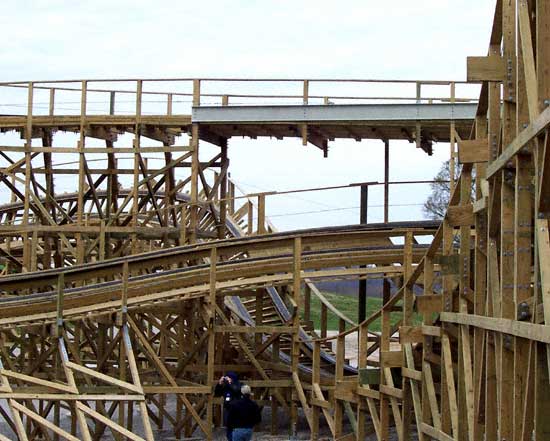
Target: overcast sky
(400,39)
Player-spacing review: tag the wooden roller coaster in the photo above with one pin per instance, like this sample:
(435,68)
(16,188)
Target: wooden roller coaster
(124,300)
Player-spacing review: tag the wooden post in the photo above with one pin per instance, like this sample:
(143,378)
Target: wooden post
(296,292)
(323,321)
(363,338)
(452,137)
(80,246)
(307,302)
(231,196)
(250,218)
(542,352)
(196,93)
(338,378)
(386,179)
(137,157)
(408,301)
(223,190)
(211,341)
(195,164)
(26,204)
(384,346)
(169,102)
(124,293)
(60,301)
(261,228)
(51,106)
(480,289)
(506,295)
(315,380)
(362,307)
(306,93)
(112,103)
(275,358)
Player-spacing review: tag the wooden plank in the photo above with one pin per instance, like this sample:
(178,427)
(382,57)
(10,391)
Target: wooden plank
(525,137)
(367,392)
(321,403)
(38,381)
(491,68)
(70,397)
(435,433)
(431,395)
(527,52)
(328,417)
(543,248)
(472,151)
(391,358)
(434,331)
(459,216)
(255,329)
(543,153)
(412,374)
(397,416)
(450,381)
(415,392)
(105,378)
(302,398)
(410,334)
(391,391)
(516,328)
(429,304)
(468,380)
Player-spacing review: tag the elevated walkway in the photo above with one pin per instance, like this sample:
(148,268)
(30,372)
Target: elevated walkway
(356,121)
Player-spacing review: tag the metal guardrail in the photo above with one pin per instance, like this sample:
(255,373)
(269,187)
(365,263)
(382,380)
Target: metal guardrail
(170,96)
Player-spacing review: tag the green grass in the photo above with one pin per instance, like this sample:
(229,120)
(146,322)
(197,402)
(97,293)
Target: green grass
(349,306)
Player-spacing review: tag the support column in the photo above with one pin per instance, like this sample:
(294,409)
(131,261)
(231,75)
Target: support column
(81,173)
(507,194)
(452,142)
(26,202)
(223,189)
(211,342)
(111,206)
(137,157)
(542,352)
(362,313)
(195,164)
(386,179)
(408,303)
(194,208)
(296,286)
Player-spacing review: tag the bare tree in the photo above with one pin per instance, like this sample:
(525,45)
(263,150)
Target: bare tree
(438,201)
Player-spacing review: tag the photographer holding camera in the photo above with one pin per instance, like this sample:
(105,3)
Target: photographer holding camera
(243,415)
(229,388)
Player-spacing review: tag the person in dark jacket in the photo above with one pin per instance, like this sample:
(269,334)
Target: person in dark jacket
(229,388)
(243,415)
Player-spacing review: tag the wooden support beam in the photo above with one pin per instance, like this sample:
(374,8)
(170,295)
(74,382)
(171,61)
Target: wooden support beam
(491,68)
(472,151)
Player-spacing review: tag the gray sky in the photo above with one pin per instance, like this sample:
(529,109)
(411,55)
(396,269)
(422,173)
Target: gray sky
(400,39)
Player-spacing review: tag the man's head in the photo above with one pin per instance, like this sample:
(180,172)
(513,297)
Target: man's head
(234,377)
(245,390)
